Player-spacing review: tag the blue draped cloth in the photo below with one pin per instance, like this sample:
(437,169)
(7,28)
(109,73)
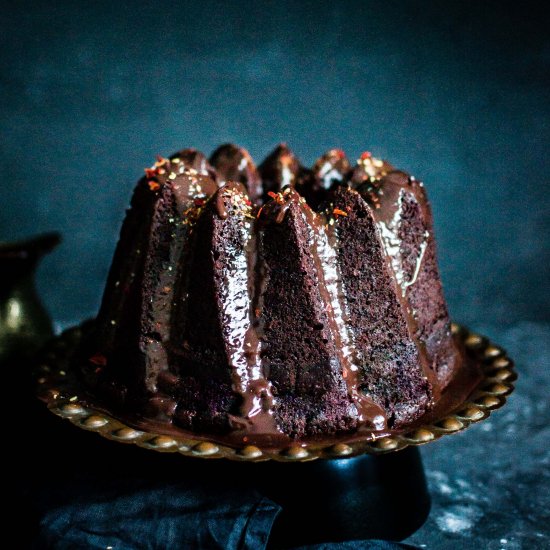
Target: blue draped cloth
(141,515)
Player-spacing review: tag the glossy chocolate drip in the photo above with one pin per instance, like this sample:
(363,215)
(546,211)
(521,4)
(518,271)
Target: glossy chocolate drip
(233,198)
(234,163)
(415,268)
(299,351)
(279,170)
(191,191)
(237,300)
(388,213)
(330,281)
(181,196)
(277,207)
(385,349)
(192,159)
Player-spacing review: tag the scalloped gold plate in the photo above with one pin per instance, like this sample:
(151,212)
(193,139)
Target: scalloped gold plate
(490,394)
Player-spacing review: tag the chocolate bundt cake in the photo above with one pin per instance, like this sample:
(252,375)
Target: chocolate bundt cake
(272,303)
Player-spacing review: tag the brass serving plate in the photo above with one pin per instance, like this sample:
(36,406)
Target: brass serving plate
(490,394)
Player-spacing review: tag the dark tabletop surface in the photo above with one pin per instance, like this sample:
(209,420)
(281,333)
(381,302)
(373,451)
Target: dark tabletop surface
(457,93)
(490,484)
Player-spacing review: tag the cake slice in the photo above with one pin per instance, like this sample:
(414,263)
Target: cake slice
(304,352)
(403,216)
(393,369)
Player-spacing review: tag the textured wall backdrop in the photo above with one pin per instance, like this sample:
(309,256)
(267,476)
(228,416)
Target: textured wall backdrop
(455,92)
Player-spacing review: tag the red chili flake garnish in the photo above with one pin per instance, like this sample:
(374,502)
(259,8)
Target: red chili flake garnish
(98,359)
(199,202)
(277,197)
(150,173)
(338,212)
(366,155)
(259,212)
(161,171)
(247,202)
(154,185)
(160,161)
(340,153)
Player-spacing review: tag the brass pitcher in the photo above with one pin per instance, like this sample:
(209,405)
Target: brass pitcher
(24,323)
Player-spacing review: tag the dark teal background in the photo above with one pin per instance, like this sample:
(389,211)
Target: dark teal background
(455,92)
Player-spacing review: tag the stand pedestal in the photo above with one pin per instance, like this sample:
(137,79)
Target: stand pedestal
(358,498)
(382,497)
(366,497)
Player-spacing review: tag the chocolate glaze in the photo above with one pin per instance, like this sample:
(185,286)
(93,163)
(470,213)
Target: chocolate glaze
(221,317)
(237,296)
(459,389)
(131,326)
(279,170)
(331,168)
(414,265)
(387,213)
(329,171)
(324,255)
(194,160)
(302,351)
(180,197)
(387,355)
(234,163)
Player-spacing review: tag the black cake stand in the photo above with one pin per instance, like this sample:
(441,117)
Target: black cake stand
(335,491)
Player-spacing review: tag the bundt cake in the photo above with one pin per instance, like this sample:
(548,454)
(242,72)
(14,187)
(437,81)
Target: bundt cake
(273,303)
